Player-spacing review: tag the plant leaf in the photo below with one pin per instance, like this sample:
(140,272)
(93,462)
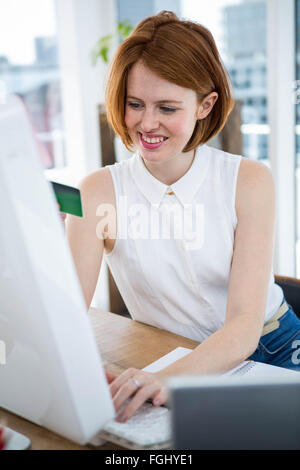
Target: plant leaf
(103,45)
(124,28)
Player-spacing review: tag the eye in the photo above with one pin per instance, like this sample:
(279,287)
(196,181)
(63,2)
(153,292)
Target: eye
(165,109)
(133,105)
(168,110)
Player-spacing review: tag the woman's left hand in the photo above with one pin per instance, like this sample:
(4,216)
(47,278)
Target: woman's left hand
(138,386)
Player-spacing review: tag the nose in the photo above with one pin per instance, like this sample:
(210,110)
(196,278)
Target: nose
(149,121)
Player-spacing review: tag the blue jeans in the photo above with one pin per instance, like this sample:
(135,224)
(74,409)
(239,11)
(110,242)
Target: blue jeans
(281,347)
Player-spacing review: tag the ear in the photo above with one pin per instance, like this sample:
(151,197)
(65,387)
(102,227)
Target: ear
(207,105)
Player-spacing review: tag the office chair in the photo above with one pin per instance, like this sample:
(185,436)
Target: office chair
(291,290)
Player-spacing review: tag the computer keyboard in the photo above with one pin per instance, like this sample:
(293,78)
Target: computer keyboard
(149,427)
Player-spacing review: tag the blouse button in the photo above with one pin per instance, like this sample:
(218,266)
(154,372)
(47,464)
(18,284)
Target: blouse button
(169,191)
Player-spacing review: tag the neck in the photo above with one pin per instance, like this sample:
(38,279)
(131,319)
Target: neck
(170,171)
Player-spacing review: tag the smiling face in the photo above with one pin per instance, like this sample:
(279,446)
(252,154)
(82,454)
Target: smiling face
(161,111)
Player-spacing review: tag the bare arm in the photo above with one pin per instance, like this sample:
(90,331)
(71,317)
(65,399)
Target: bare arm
(83,235)
(249,279)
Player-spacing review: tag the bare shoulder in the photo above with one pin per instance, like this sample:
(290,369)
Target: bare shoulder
(253,171)
(97,186)
(255,186)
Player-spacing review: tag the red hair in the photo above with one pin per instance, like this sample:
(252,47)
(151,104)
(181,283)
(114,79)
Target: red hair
(182,52)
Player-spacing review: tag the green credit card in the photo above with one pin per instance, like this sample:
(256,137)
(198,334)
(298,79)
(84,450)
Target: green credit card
(69,198)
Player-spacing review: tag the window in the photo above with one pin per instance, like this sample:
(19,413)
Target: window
(259,35)
(239,29)
(29,68)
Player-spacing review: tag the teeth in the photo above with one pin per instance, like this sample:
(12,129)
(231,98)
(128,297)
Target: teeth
(153,140)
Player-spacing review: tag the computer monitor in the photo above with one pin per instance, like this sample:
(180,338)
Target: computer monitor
(52,372)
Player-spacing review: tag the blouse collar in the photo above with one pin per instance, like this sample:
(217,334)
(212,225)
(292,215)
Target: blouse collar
(184,189)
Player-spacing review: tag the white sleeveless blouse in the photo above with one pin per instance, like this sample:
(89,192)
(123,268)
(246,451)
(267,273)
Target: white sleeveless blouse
(172,256)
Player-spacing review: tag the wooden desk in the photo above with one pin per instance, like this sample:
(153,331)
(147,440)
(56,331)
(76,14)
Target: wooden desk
(123,343)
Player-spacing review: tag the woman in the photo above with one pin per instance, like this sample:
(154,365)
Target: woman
(209,276)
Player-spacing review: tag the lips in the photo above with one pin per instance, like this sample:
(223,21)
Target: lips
(152,136)
(150,146)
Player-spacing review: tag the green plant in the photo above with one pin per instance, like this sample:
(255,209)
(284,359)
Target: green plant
(102,47)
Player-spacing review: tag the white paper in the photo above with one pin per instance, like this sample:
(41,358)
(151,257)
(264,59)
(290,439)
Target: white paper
(167,359)
(257,369)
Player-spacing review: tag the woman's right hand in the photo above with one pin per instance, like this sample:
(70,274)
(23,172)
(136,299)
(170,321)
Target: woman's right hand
(62,215)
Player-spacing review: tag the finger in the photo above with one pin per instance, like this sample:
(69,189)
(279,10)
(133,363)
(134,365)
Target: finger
(110,376)
(62,214)
(121,380)
(126,391)
(138,400)
(161,397)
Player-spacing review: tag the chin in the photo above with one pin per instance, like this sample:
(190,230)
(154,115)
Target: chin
(151,156)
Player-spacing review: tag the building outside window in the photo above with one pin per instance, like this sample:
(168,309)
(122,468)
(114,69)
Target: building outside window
(239,29)
(136,10)
(29,67)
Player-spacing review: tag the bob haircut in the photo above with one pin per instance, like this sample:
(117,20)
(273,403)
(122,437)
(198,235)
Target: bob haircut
(182,52)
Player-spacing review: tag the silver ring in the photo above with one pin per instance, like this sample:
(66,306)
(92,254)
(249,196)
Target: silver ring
(137,382)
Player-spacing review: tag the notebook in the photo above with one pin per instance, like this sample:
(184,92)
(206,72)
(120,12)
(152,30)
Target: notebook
(249,367)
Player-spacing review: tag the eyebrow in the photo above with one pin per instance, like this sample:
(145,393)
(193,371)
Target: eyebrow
(156,102)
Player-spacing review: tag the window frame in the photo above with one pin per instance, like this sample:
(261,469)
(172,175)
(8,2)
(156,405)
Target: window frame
(281,118)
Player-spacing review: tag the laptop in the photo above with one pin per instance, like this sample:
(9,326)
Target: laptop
(236,412)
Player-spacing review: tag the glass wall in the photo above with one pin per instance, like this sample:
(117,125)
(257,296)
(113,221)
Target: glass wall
(239,29)
(29,67)
(137,10)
